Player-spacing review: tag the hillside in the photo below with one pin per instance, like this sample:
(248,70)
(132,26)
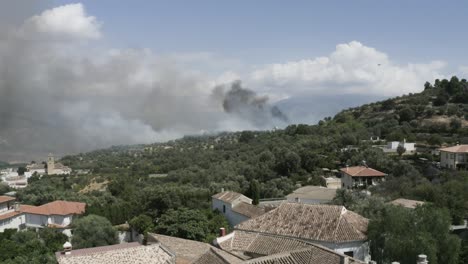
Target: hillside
(179,177)
(436,115)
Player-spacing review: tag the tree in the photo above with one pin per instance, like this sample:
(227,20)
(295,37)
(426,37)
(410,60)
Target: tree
(400,150)
(455,124)
(406,114)
(183,223)
(93,231)
(427,85)
(400,235)
(246,136)
(435,139)
(142,224)
(254,191)
(21,170)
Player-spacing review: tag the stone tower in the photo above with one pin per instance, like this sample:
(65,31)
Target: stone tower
(50,165)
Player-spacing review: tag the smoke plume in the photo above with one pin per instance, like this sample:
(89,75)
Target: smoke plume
(59,93)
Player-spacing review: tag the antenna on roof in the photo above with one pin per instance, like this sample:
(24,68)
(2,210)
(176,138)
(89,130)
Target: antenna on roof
(364,164)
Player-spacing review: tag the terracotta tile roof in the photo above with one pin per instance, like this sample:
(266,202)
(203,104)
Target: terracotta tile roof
(313,193)
(456,149)
(362,171)
(244,243)
(9,215)
(411,204)
(58,208)
(311,255)
(4,199)
(210,257)
(227,196)
(118,254)
(187,251)
(248,210)
(328,223)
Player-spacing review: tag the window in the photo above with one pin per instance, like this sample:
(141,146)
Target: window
(349,253)
(224,208)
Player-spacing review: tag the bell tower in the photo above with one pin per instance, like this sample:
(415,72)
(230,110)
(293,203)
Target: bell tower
(50,165)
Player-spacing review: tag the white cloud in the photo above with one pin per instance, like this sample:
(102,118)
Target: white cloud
(463,70)
(68,21)
(351,68)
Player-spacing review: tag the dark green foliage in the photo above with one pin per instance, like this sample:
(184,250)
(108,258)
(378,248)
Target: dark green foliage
(401,234)
(254,192)
(93,231)
(142,224)
(184,223)
(21,170)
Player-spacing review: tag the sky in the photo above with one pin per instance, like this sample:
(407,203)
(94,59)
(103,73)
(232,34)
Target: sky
(75,76)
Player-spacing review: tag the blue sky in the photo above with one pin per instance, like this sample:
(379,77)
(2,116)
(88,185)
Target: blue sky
(270,31)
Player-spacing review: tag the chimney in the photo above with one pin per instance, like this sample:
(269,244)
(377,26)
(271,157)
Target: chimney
(222,189)
(298,200)
(347,166)
(222,232)
(67,248)
(16,206)
(422,259)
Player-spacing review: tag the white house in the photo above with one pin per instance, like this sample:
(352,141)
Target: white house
(10,214)
(454,157)
(235,207)
(57,214)
(360,177)
(331,226)
(393,146)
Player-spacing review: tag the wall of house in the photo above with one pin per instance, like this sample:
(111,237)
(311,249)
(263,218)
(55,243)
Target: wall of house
(12,223)
(35,220)
(346,181)
(293,199)
(4,207)
(60,220)
(226,209)
(447,160)
(360,249)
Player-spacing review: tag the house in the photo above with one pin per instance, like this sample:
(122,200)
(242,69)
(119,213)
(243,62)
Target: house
(331,226)
(454,157)
(54,168)
(116,254)
(244,247)
(332,182)
(360,177)
(236,207)
(406,203)
(57,214)
(256,247)
(37,168)
(393,146)
(312,195)
(11,216)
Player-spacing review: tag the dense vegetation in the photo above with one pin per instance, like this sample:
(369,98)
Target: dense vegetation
(171,184)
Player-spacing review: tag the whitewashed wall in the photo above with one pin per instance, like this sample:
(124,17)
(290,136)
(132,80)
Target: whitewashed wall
(12,223)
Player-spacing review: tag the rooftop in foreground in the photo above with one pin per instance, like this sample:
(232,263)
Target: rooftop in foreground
(118,254)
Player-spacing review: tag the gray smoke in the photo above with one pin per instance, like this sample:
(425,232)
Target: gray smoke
(248,105)
(59,93)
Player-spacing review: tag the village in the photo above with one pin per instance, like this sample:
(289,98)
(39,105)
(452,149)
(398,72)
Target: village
(302,227)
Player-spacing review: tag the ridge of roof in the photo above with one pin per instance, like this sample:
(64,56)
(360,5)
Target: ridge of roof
(4,199)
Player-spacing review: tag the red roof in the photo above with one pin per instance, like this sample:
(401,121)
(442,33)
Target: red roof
(14,213)
(57,208)
(456,149)
(362,171)
(4,199)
